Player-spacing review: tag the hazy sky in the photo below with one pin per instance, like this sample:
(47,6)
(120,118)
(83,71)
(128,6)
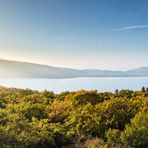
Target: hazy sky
(106,34)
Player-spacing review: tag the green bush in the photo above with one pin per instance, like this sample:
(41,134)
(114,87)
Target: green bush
(81,119)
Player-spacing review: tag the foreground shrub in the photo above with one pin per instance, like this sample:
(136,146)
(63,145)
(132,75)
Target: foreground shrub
(114,113)
(81,119)
(136,133)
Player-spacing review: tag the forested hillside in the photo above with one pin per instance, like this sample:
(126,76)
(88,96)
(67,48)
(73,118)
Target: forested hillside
(82,119)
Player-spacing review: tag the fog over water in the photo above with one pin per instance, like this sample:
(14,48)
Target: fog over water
(91,83)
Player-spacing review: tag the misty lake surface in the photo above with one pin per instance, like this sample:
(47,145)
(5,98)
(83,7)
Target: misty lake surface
(91,83)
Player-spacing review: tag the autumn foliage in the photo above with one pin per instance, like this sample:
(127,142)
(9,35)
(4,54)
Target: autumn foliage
(82,119)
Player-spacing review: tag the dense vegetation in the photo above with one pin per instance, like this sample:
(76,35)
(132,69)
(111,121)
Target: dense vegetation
(82,119)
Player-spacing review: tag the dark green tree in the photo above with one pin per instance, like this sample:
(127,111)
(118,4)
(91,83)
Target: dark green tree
(143,89)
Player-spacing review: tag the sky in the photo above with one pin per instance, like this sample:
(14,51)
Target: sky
(100,34)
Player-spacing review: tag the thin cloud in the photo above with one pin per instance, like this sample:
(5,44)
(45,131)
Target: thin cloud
(134,27)
(60,38)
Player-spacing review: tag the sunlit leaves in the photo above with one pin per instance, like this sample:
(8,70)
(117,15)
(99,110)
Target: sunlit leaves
(87,119)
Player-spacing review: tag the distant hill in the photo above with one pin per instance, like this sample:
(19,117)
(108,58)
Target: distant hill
(15,69)
(143,71)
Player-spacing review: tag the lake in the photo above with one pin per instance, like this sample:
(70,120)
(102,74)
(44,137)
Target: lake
(59,85)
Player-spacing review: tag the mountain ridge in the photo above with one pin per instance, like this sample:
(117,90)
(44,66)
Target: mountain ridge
(16,69)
